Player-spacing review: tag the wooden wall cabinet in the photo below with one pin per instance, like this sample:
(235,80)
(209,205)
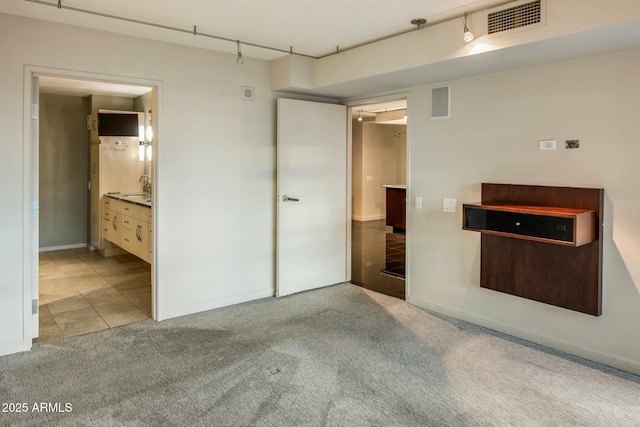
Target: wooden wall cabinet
(541,243)
(560,226)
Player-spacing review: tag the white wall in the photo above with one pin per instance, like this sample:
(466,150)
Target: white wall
(64,170)
(379,152)
(215,163)
(493,136)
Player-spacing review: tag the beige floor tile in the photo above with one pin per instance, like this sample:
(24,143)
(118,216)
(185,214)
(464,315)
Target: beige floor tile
(67,304)
(124,318)
(83,327)
(60,286)
(89,283)
(129,281)
(114,307)
(74,316)
(104,295)
(138,293)
(59,294)
(144,306)
(47,270)
(48,332)
(80,292)
(43,310)
(68,261)
(80,267)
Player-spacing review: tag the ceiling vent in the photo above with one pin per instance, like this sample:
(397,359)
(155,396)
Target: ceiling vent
(509,17)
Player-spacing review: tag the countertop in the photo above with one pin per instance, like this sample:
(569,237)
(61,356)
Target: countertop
(135,198)
(400,186)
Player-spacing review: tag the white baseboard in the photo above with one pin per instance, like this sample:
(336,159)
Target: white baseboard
(15,347)
(213,304)
(617,362)
(368,218)
(63,247)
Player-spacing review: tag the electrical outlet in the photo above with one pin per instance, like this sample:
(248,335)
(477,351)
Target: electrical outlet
(548,144)
(572,143)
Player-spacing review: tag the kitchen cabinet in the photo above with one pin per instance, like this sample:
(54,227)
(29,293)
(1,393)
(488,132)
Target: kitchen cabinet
(396,207)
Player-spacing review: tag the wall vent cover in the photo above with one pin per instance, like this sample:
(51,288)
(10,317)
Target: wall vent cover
(509,18)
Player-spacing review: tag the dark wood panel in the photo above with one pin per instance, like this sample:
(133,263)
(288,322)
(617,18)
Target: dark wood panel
(396,208)
(564,276)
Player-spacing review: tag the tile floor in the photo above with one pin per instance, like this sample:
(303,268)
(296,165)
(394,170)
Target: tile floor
(81,291)
(378,258)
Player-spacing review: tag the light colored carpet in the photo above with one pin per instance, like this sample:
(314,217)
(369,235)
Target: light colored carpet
(339,356)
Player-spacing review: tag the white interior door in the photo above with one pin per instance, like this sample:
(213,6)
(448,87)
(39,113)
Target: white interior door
(312,196)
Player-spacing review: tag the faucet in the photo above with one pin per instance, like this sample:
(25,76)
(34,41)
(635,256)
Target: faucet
(146,186)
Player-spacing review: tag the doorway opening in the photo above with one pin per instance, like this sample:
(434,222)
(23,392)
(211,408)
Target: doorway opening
(87,279)
(379,188)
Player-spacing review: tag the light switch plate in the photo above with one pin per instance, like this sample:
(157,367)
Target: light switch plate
(548,144)
(448,205)
(418,202)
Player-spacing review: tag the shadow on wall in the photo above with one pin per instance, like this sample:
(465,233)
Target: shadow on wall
(621,262)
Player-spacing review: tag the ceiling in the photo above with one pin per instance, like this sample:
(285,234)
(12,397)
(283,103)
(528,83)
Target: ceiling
(316,28)
(312,28)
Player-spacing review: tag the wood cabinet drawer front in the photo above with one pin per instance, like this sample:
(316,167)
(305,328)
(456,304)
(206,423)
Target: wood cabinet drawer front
(130,209)
(115,205)
(128,222)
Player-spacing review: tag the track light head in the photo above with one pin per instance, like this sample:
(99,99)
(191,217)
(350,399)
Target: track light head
(240,60)
(468,35)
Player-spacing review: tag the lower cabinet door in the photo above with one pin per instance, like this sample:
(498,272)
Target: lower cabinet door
(127,240)
(141,240)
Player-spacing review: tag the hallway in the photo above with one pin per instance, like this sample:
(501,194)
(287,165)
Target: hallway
(378,258)
(81,291)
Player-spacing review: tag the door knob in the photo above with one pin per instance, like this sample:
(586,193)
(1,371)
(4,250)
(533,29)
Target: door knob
(286,198)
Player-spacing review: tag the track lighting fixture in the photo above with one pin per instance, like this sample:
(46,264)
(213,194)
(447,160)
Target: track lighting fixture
(239,60)
(468,35)
(418,24)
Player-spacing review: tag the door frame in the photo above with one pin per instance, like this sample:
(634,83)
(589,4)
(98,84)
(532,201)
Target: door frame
(363,102)
(30,190)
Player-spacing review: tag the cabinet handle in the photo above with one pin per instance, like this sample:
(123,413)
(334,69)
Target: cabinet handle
(138,228)
(113,221)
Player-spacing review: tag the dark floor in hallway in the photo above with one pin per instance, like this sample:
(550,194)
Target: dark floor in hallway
(378,258)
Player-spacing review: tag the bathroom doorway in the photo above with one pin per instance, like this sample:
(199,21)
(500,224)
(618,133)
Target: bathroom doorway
(82,288)
(379,188)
